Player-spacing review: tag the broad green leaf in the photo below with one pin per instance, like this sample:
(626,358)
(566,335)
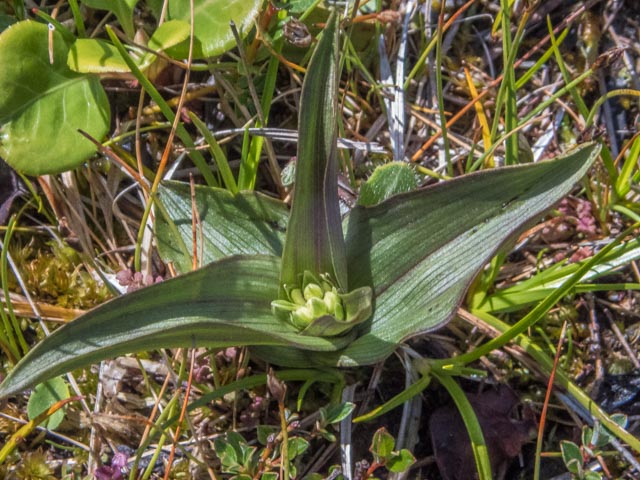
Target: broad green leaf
(43,105)
(336,412)
(169,34)
(297,446)
(46,395)
(315,242)
(229,451)
(587,435)
(166,36)
(604,435)
(571,456)
(386,181)
(213,35)
(420,250)
(247,223)
(122,9)
(224,304)
(620,419)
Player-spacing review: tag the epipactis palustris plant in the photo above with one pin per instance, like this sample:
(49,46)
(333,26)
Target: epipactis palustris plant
(316,296)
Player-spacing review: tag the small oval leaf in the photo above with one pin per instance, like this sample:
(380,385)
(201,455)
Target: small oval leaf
(386,181)
(91,55)
(46,395)
(400,461)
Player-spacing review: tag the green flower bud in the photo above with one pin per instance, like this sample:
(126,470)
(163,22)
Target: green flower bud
(313,290)
(297,297)
(302,317)
(326,284)
(278,305)
(338,312)
(318,307)
(331,300)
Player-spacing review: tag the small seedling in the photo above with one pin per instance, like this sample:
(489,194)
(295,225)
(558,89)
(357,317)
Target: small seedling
(246,462)
(593,440)
(384,455)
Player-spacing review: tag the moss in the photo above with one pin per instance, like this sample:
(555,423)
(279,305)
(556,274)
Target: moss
(54,273)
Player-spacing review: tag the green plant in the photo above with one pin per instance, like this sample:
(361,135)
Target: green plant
(246,461)
(330,415)
(44,396)
(43,102)
(384,455)
(401,269)
(34,466)
(593,440)
(50,86)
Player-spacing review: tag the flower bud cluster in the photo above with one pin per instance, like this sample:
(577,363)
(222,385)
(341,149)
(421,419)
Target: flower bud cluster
(314,300)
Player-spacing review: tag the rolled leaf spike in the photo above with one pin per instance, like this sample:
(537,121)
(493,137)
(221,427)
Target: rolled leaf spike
(314,240)
(313,280)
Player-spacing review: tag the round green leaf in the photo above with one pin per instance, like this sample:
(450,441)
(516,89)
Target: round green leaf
(169,34)
(42,105)
(213,34)
(386,181)
(400,461)
(46,395)
(382,445)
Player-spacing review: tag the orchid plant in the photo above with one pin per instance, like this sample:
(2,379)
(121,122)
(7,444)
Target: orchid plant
(332,291)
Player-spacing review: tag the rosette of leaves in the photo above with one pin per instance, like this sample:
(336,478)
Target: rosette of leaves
(331,291)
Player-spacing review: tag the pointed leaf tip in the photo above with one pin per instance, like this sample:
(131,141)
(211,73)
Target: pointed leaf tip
(425,247)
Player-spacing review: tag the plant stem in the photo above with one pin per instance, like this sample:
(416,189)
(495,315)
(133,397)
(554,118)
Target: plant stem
(478,444)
